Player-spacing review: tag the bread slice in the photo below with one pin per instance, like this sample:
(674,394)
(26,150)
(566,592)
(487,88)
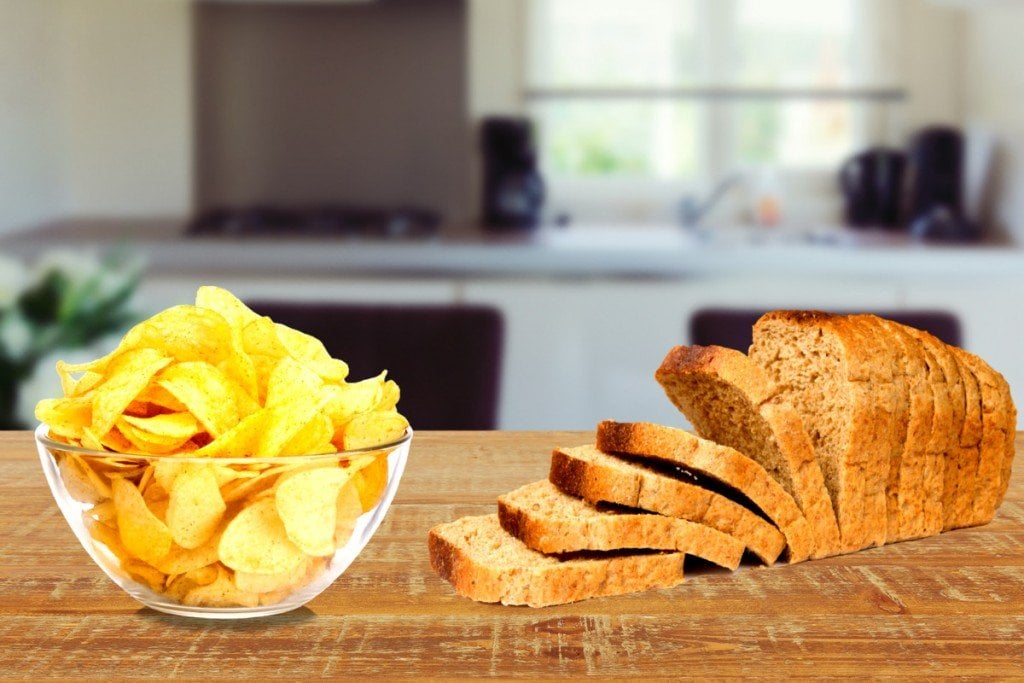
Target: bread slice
(999,418)
(905,360)
(904,489)
(822,366)
(730,400)
(677,447)
(958,503)
(551,521)
(484,563)
(944,452)
(586,472)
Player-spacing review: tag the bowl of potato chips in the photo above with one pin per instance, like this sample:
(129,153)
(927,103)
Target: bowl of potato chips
(217,464)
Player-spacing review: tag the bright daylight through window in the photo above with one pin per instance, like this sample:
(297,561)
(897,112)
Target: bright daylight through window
(692,90)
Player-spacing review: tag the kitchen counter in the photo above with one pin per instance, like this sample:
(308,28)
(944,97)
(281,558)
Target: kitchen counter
(950,605)
(552,252)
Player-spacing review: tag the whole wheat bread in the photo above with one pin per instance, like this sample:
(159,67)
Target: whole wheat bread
(730,400)
(483,562)
(726,465)
(595,476)
(822,367)
(550,521)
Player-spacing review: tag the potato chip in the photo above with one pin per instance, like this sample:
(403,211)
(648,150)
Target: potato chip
(186,333)
(66,417)
(107,536)
(77,482)
(129,374)
(307,504)
(371,481)
(291,383)
(280,425)
(182,560)
(349,508)
(256,541)
(312,439)
(251,582)
(226,304)
(195,507)
(140,571)
(207,393)
(344,401)
(220,593)
(104,511)
(371,429)
(159,434)
(143,534)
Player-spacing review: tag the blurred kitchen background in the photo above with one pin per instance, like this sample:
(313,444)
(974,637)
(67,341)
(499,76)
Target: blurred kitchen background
(516,206)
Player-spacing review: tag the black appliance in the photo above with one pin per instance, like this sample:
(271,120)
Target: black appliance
(513,191)
(872,186)
(329,220)
(935,200)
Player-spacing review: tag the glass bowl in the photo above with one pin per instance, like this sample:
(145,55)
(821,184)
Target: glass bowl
(258,536)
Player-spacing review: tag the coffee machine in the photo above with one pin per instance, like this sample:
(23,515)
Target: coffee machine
(872,185)
(513,191)
(935,186)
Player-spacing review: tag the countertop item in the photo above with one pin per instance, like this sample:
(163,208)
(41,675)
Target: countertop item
(950,605)
(579,251)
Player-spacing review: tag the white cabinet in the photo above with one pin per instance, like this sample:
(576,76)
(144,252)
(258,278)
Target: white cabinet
(581,350)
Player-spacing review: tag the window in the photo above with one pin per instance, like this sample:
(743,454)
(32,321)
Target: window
(692,90)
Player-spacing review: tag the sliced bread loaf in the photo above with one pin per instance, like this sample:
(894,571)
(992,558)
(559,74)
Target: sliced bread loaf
(999,418)
(730,400)
(904,490)
(944,452)
(484,563)
(822,367)
(957,504)
(595,476)
(550,521)
(679,448)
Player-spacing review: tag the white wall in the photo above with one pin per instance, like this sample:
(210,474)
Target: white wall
(31,114)
(994,98)
(129,106)
(95,109)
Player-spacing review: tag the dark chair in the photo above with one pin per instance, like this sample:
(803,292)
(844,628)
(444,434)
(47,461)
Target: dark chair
(732,327)
(445,359)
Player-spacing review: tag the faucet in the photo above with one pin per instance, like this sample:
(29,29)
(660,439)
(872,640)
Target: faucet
(692,210)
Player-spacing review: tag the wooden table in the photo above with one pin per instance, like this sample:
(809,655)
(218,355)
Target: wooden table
(948,605)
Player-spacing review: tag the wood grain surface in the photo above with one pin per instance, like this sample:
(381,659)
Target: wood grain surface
(951,605)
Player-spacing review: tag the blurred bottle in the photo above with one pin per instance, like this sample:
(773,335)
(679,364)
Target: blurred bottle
(766,198)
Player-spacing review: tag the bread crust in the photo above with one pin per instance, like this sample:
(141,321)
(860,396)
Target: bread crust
(787,453)
(856,468)
(550,521)
(462,552)
(588,473)
(999,417)
(727,465)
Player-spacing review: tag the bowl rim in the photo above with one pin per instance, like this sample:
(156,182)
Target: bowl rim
(42,438)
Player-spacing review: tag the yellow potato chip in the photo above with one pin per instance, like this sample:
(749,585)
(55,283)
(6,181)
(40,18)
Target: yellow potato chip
(251,582)
(349,508)
(195,507)
(344,401)
(143,534)
(256,541)
(161,399)
(291,382)
(129,373)
(226,304)
(182,560)
(307,504)
(312,439)
(178,585)
(78,483)
(220,593)
(140,571)
(104,511)
(373,429)
(66,417)
(186,333)
(168,427)
(371,481)
(280,425)
(106,536)
(207,393)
